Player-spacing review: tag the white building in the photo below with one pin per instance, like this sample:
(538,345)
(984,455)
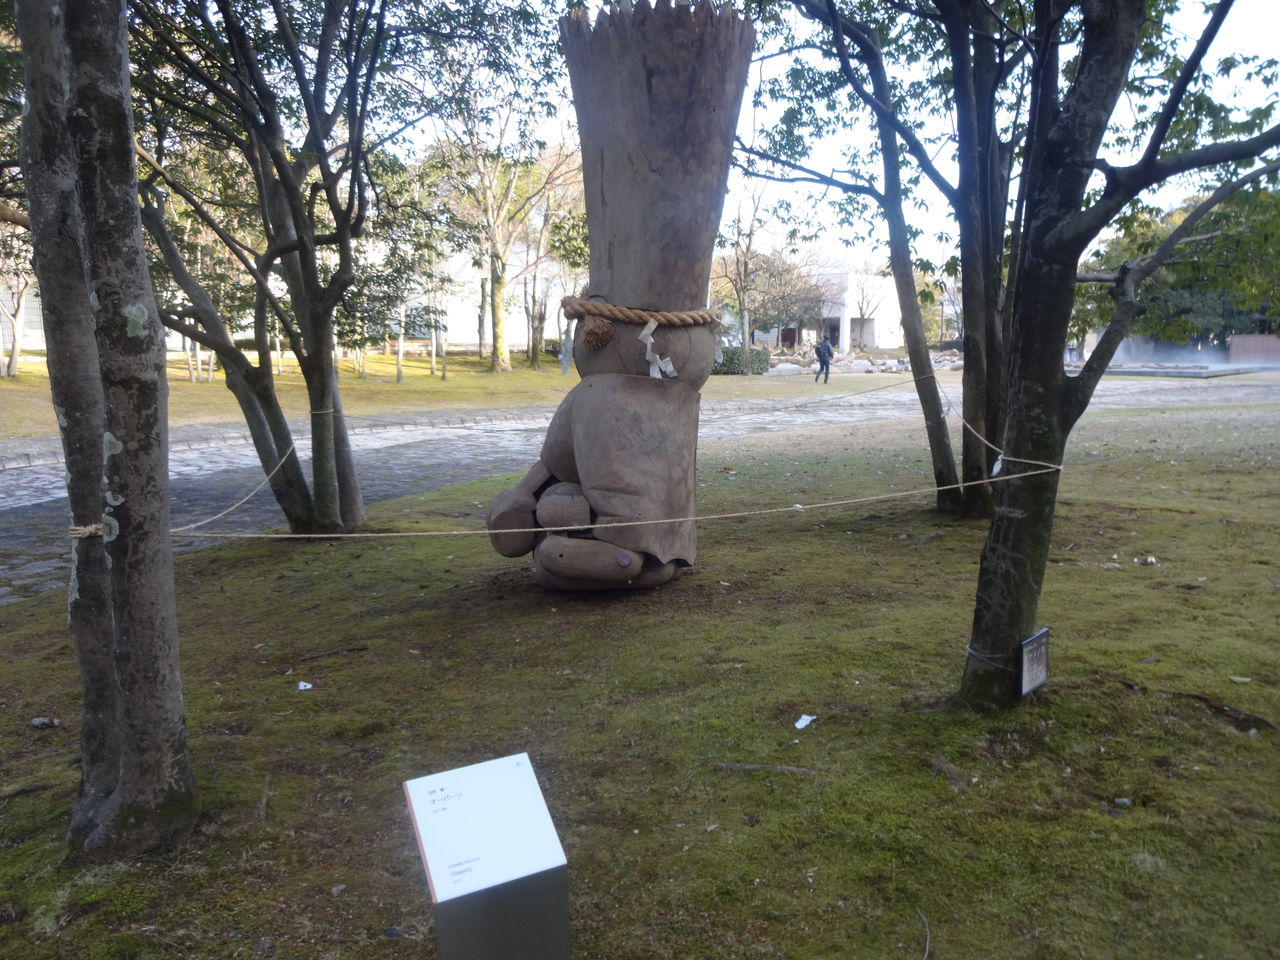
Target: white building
(864,317)
(869,318)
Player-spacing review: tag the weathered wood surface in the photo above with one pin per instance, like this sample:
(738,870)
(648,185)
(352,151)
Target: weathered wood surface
(630,442)
(657,92)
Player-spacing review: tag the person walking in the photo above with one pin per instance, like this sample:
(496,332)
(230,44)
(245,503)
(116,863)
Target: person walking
(825,354)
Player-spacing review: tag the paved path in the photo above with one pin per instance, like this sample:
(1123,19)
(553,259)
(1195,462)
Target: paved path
(213,466)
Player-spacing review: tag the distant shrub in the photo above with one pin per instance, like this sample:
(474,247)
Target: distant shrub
(551,345)
(732,361)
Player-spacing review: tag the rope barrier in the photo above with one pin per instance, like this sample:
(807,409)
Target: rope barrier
(922,491)
(243,500)
(987,659)
(1001,456)
(96,530)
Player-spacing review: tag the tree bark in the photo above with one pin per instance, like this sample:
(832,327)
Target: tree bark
(350,500)
(535,306)
(949,497)
(107,367)
(18,318)
(400,349)
(273,441)
(668,269)
(500,356)
(483,316)
(1059,161)
(321,380)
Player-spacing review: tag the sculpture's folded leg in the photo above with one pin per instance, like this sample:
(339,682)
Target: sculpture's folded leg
(575,563)
(512,514)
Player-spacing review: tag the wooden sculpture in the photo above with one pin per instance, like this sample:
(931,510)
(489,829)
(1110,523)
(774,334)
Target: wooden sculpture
(657,92)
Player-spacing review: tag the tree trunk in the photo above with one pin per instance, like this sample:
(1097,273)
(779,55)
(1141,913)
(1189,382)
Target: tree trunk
(500,357)
(484,314)
(979,205)
(400,349)
(536,311)
(1016,550)
(19,320)
(137,792)
(273,441)
(949,497)
(350,500)
(321,380)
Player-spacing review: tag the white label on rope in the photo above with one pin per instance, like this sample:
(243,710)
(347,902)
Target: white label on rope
(995,467)
(657,365)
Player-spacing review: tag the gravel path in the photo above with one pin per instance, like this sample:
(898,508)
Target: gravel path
(213,466)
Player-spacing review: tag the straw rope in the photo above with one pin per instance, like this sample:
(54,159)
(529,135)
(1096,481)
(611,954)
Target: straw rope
(597,330)
(576,307)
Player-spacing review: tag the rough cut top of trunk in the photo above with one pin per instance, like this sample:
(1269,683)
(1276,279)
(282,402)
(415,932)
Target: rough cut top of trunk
(657,92)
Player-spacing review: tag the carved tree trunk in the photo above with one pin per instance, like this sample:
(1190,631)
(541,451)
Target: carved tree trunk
(107,371)
(657,93)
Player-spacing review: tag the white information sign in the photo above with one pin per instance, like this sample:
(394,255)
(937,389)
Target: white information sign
(1035,661)
(482,825)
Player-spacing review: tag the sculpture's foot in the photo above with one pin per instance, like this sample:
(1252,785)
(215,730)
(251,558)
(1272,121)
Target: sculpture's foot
(512,510)
(574,563)
(563,505)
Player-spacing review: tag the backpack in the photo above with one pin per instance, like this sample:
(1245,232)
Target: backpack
(824,351)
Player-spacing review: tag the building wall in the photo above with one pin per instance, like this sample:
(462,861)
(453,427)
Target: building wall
(870,318)
(1254,348)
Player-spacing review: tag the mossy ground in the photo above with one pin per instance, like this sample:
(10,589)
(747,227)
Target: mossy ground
(1108,816)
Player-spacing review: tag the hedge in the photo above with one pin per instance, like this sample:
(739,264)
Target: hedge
(731,361)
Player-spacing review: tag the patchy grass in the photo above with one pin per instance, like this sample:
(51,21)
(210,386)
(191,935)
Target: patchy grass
(470,386)
(1111,815)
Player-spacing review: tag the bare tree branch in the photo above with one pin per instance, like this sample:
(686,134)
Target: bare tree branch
(808,175)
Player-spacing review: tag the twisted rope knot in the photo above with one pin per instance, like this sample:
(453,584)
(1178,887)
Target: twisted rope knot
(597,314)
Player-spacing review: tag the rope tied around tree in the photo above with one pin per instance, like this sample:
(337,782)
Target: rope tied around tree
(597,330)
(84,533)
